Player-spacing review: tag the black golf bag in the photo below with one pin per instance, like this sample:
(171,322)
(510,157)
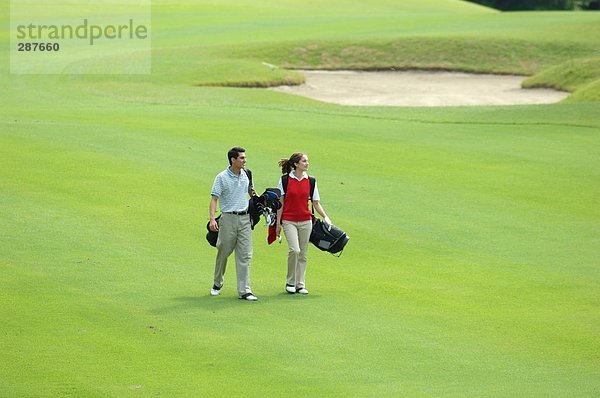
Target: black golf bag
(328,238)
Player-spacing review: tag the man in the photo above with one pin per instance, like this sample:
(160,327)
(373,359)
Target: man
(230,189)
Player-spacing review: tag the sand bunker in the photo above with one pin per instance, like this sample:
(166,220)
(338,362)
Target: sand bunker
(418,88)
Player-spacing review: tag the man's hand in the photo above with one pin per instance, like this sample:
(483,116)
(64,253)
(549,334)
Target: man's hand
(213,225)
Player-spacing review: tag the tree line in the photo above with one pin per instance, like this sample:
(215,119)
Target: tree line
(521,5)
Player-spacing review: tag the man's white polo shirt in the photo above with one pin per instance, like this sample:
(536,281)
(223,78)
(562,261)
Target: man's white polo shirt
(232,190)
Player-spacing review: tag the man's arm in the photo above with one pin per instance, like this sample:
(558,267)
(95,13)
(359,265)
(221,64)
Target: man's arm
(211,213)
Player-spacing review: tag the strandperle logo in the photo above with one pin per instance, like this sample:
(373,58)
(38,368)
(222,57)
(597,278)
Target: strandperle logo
(83,31)
(80,37)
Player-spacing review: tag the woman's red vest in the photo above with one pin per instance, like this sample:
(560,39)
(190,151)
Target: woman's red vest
(295,204)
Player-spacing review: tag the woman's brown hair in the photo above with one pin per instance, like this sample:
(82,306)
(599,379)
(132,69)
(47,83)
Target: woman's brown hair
(287,165)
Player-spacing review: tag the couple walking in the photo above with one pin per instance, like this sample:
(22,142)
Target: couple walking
(231,189)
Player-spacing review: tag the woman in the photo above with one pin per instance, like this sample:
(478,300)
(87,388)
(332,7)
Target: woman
(297,188)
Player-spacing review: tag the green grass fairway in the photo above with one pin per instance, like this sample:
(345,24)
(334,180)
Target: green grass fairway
(473,266)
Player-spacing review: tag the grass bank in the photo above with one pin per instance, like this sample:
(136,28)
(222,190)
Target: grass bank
(579,76)
(460,54)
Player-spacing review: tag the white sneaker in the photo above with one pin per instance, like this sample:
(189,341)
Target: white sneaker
(249,297)
(290,289)
(215,291)
(302,291)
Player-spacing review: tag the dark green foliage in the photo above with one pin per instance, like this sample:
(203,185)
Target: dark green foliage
(588,4)
(518,5)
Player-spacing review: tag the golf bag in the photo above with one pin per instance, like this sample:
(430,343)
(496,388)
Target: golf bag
(328,238)
(265,205)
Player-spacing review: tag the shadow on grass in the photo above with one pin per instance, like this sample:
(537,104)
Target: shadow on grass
(212,303)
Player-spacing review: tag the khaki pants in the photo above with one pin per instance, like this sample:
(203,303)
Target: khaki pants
(297,235)
(234,234)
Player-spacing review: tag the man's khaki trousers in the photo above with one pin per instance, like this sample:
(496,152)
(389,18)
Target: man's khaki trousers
(235,233)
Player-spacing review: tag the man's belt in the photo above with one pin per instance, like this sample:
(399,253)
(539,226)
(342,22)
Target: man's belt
(237,213)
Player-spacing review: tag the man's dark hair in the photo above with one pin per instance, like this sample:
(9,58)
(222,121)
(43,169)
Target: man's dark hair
(234,153)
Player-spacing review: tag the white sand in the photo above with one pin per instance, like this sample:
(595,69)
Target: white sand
(418,88)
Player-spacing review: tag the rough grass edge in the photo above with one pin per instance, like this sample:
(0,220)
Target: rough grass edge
(295,80)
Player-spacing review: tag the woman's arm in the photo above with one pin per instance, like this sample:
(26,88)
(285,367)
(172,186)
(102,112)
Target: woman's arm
(279,213)
(321,211)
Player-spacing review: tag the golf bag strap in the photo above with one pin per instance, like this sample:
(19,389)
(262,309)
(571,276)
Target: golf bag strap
(250,185)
